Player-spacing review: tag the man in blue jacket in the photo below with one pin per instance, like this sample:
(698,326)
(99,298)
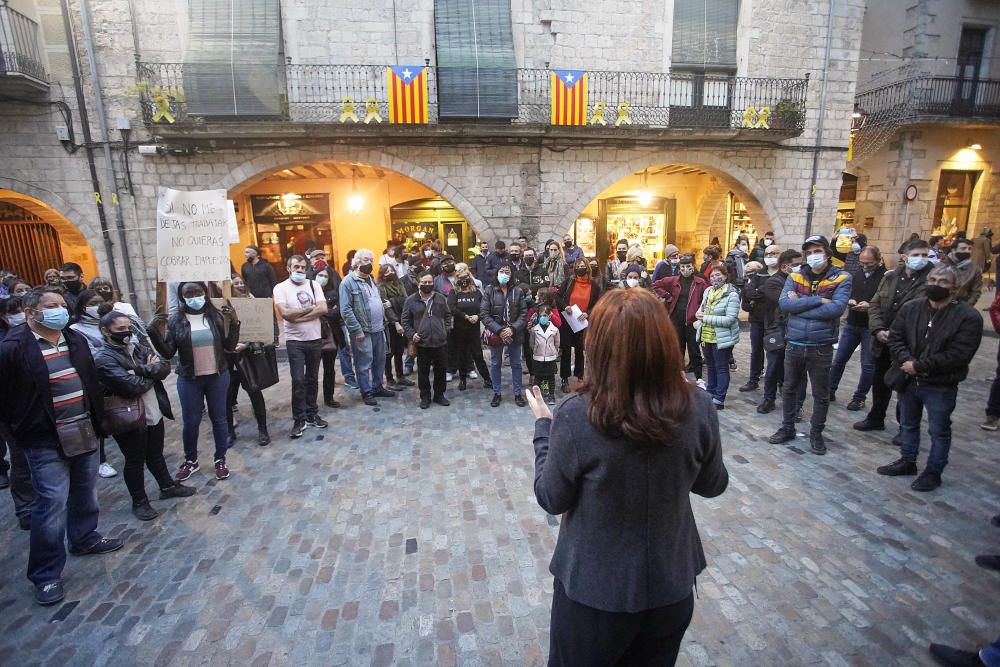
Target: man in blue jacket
(814,297)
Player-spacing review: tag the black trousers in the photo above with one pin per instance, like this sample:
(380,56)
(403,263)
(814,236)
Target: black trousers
(427,357)
(815,362)
(256,401)
(393,354)
(469,350)
(20,476)
(143,447)
(756,351)
(329,359)
(571,343)
(581,636)
(881,393)
(688,339)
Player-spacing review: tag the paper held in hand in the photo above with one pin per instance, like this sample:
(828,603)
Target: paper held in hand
(192,235)
(572,317)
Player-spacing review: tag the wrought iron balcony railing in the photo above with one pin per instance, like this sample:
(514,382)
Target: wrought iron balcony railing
(175,93)
(20,48)
(928,97)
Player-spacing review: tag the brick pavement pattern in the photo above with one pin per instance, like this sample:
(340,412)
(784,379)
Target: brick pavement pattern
(412,537)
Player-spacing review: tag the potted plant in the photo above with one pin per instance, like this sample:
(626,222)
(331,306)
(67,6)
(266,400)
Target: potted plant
(787,115)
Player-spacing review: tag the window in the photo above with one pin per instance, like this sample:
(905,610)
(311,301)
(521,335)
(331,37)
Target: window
(233,66)
(704,35)
(476,72)
(954,201)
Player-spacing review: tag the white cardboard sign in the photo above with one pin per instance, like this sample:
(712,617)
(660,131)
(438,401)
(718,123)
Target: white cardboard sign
(192,235)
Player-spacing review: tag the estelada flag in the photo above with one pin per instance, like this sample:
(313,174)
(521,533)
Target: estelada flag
(407,93)
(569,97)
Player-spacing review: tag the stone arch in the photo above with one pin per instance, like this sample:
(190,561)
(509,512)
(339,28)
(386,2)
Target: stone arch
(737,178)
(258,168)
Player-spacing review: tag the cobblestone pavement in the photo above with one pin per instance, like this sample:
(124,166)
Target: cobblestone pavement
(411,537)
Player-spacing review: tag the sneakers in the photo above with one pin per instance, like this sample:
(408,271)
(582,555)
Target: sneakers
(700,383)
(855,405)
(298,429)
(750,386)
(317,422)
(953,657)
(868,425)
(368,399)
(898,468)
(187,469)
(783,434)
(496,401)
(104,546)
(519,400)
(221,471)
(178,490)
(382,392)
(462,386)
(733,366)
(263,437)
(351,383)
(448,377)
(927,481)
(473,375)
(144,511)
(991,424)
(442,401)
(719,405)
(105,470)
(48,594)
(766,406)
(817,444)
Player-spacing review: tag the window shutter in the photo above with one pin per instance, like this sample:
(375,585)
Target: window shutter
(233,63)
(476,72)
(704,34)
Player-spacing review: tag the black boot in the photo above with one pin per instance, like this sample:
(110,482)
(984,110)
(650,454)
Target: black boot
(898,468)
(462,386)
(263,437)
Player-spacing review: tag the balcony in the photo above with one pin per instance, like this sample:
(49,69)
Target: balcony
(195,102)
(22,73)
(931,99)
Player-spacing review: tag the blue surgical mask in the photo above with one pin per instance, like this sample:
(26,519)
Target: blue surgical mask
(815,261)
(916,263)
(298,276)
(15,319)
(503,278)
(543,319)
(856,247)
(55,318)
(321,281)
(195,302)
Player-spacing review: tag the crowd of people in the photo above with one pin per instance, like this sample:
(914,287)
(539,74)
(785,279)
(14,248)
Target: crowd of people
(86,366)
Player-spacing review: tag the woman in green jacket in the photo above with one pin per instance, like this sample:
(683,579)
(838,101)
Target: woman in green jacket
(720,331)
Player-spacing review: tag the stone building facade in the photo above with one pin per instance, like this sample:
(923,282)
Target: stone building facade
(506,180)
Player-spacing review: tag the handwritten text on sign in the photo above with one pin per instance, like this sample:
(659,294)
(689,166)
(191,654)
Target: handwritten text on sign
(192,235)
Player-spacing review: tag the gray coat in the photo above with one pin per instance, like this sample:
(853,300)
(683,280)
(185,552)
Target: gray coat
(628,540)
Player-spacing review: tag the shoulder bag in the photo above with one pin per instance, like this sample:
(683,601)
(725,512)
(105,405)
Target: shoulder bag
(122,415)
(258,367)
(77,438)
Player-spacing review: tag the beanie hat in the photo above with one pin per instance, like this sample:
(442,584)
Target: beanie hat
(670,250)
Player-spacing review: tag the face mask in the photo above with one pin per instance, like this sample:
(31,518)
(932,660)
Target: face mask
(686,271)
(581,271)
(568,244)
(503,278)
(321,281)
(464,282)
(767,242)
(717,281)
(92,311)
(195,302)
(106,294)
(743,247)
(543,319)
(515,257)
(816,261)
(962,256)
(71,285)
(554,252)
(426,289)
(16,319)
(448,268)
(621,255)
(938,292)
(366,269)
(298,276)
(771,261)
(856,247)
(675,262)
(55,318)
(119,337)
(428,253)
(916,263)
(632,282)
(529,299)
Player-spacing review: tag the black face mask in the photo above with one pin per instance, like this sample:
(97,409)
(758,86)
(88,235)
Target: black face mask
(515,257)
(962,256)
(621,255)
(568,244)
(366,269)
(119,337)
(464,282)
(426,289)
(937,292)
(529,260)
(448,268)
(72,285)
(107,295)
(581,271)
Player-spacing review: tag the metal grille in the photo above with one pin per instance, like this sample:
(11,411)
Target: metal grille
(20,49)
(31,248)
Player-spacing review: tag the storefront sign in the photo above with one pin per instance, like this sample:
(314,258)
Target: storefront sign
(412,229)
(256,318)
(192,235)
(290,207)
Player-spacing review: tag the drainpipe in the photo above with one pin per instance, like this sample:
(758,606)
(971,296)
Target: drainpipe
(811,207)
(88,43)
(81,103)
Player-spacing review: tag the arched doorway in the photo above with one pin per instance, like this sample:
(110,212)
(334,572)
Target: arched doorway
(34,237)
(339,206)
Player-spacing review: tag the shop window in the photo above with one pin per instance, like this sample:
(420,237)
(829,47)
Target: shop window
(476,71)
(847,202)
(651,224)
(233,65)
(954,202)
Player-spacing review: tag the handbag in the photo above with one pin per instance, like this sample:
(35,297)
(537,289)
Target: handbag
(77,438)
(774,340)
(326,334)
(491,339)
(122,415)
(896,379)
(258,367)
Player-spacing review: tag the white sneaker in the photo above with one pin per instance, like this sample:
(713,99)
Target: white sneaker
(473,375)
(448,377)
(105,470)
(700,383)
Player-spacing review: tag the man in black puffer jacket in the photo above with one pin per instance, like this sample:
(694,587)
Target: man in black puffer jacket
(426,321)
(933,340)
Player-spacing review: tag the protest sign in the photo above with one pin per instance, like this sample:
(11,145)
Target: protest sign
(256,318)
(234,229)
(192,235)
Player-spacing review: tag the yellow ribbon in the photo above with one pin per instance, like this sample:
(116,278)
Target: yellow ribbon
(371,106)
(114,198)
(749,117)
(161,108)
(623,118)
(598,116)
(349,113)
(97,197)
(762,119)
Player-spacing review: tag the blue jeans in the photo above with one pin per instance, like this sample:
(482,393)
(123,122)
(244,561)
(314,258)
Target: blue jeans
(369,360)
(496,366)
(717,363)
(194,393)
(991,654)
(304,357)
(65,506)
(851,336)
(347,362)
(940,403)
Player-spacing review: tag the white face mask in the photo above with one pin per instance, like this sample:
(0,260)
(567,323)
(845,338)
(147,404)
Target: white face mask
(771,261)
(92,311)
(632,282)
(743,247)
(16,319)
(767,242)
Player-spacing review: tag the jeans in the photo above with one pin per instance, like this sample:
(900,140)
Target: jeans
(194,393)
(369,361)
(347,362)
(993,404)
(572,344)
(756,351)
(717,361)
(496,366)
(427,357)
(65,506)
(774,378)
(939,400)
(469,349)
(851,336)
(143,447)
(800,361)
(991,654)
(303,362)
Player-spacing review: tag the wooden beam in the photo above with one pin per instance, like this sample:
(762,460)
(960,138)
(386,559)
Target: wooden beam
(379,172)
(335,172)
(313,171)
(322,168)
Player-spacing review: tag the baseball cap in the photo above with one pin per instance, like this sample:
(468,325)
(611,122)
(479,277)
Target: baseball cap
(816,239)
